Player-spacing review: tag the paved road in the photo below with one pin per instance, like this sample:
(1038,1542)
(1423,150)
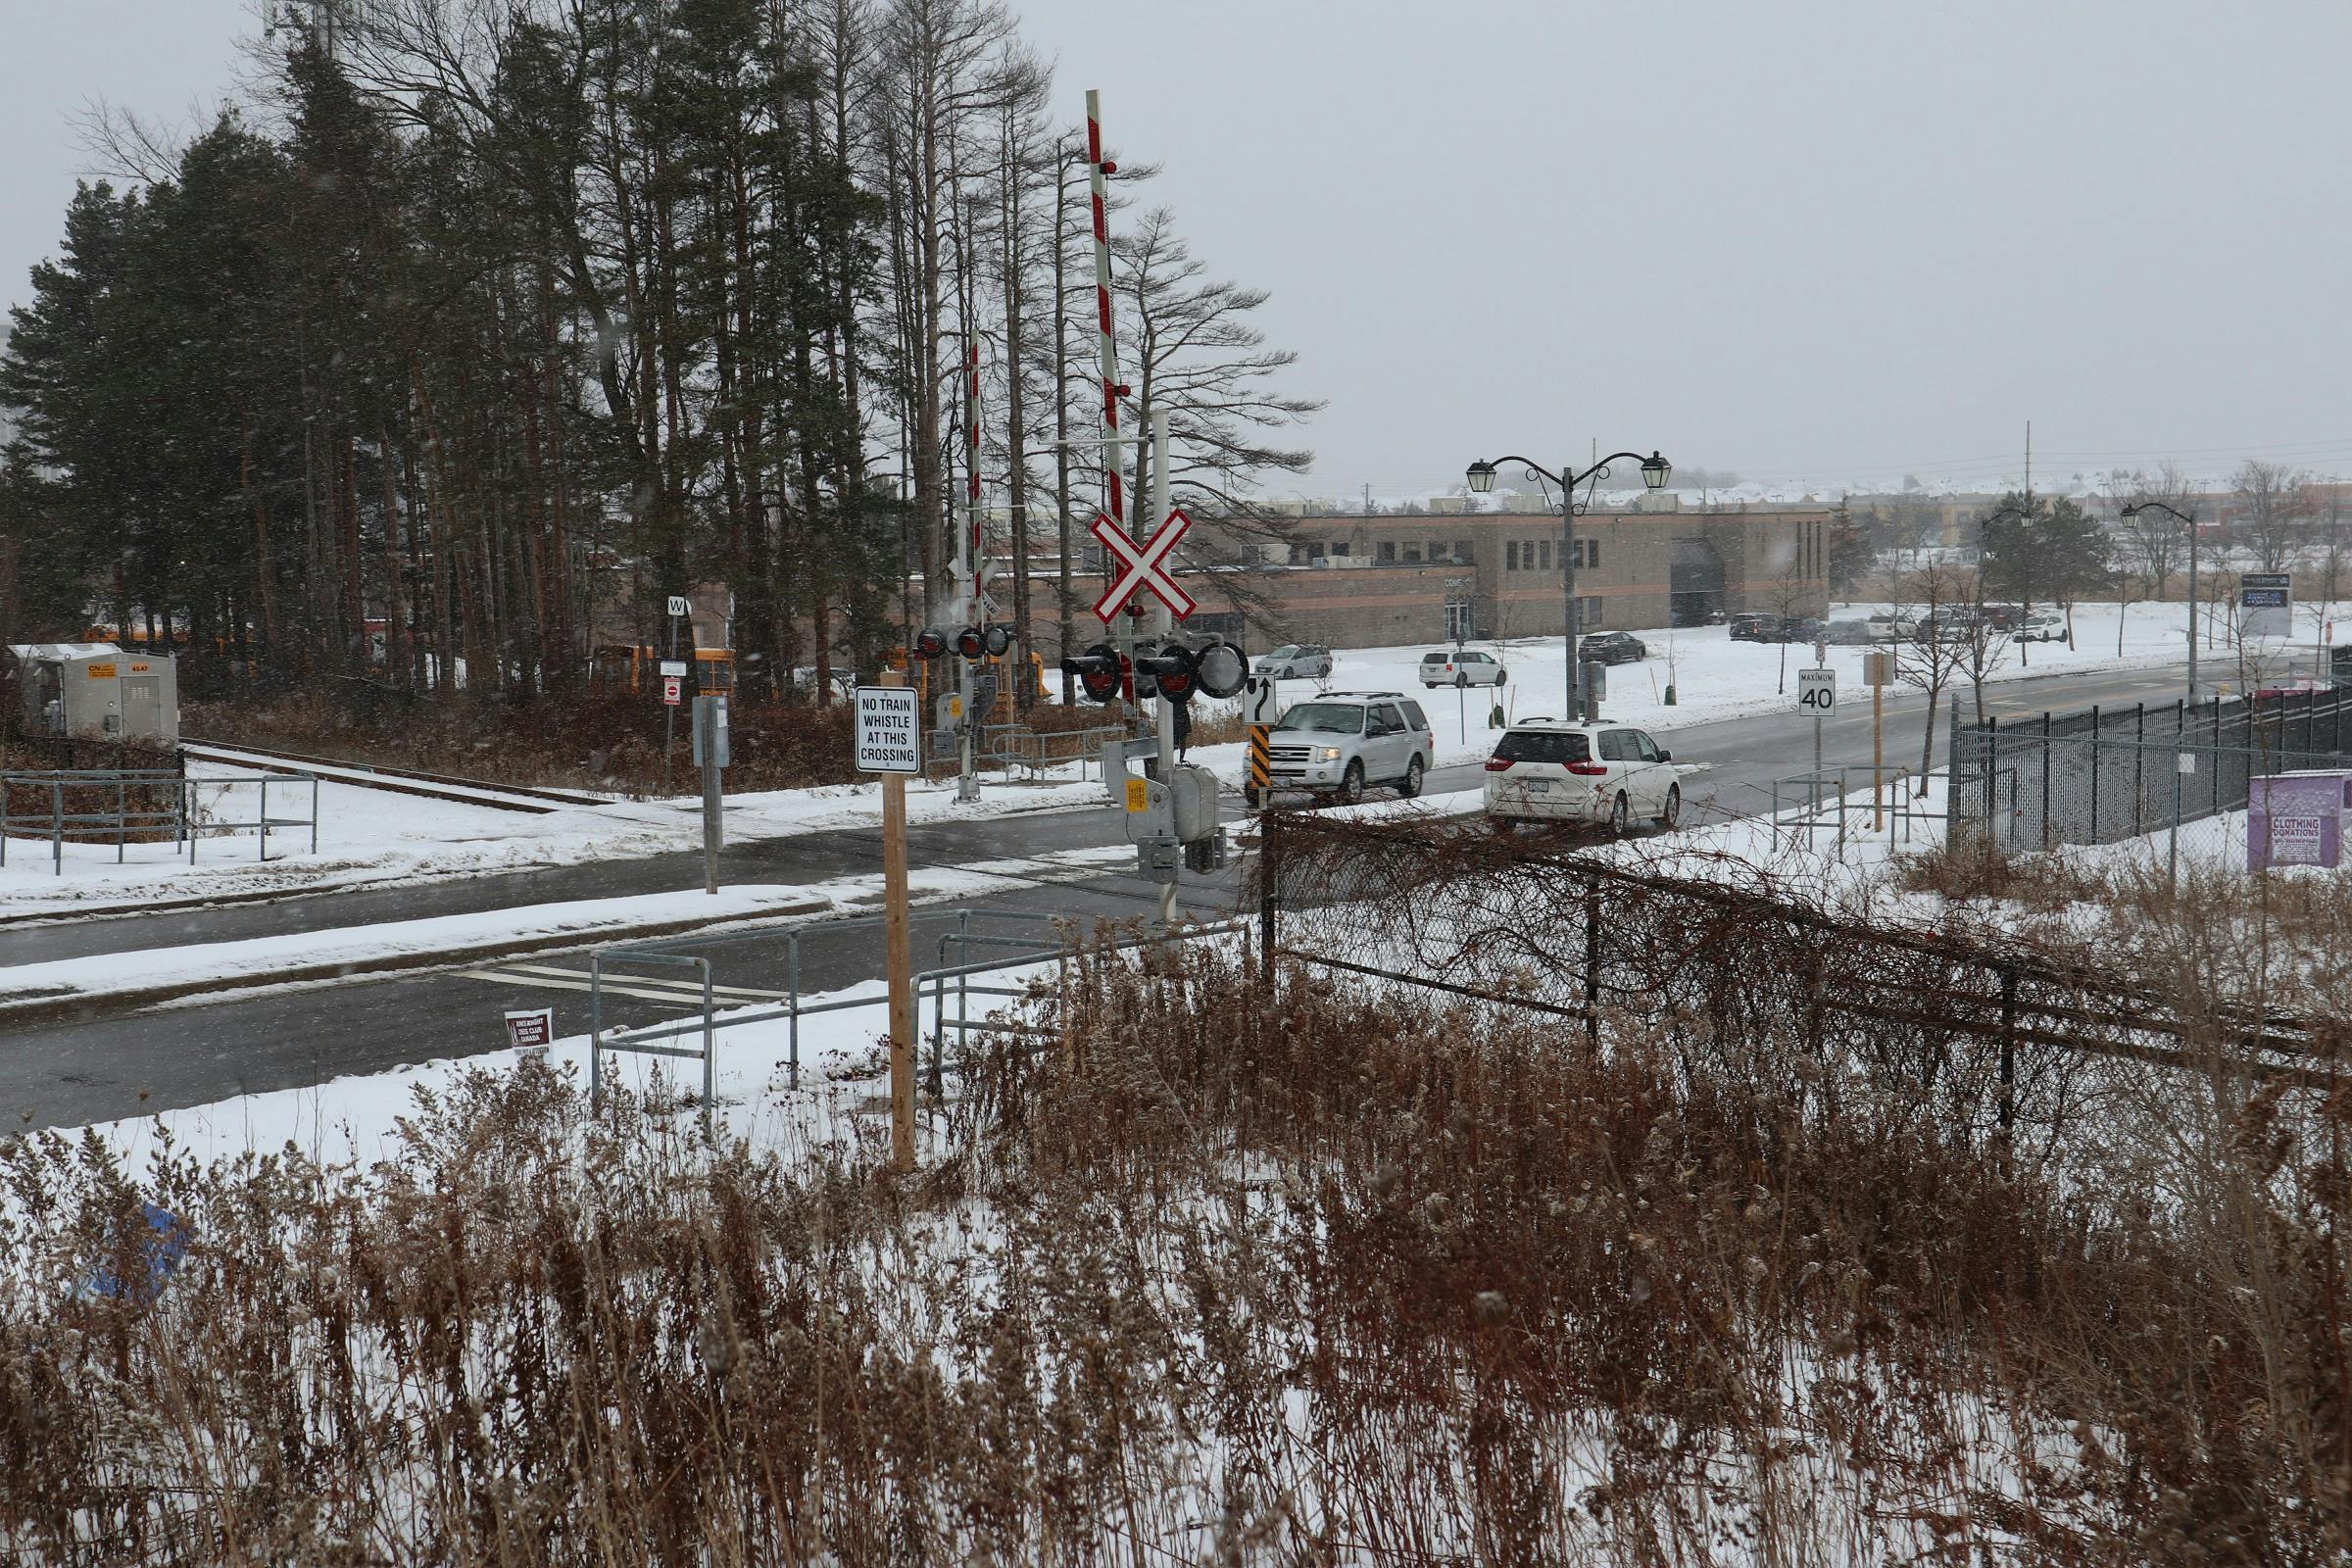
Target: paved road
(189,1054)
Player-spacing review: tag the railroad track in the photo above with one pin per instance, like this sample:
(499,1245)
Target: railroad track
(527,798)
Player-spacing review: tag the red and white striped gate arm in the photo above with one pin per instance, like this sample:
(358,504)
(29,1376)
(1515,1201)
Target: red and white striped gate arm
(1098,175)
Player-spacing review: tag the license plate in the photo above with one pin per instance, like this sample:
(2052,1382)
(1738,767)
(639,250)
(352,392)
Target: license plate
(1537,786)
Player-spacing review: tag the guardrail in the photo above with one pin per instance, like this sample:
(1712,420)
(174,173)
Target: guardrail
(933,988)
(134,817)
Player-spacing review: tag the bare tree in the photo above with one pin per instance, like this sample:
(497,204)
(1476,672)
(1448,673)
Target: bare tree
(1930,603)
(2274,507)
(2155,542)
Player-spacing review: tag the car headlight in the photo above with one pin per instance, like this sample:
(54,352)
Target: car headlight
(1331,753)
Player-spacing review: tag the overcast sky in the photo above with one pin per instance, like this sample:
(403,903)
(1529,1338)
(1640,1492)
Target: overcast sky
(1803,241)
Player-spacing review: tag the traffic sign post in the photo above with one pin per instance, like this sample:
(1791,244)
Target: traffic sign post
(890,742)
(1877,672)
(1817,694)
(672,665)
(710,753)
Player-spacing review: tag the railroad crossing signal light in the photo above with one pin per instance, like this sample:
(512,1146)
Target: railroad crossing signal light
(1098,671)
(1220,668)
(996,640)
(970,643)
(931,642)
(1173,668)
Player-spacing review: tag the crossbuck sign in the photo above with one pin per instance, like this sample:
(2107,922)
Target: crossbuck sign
(1139,567)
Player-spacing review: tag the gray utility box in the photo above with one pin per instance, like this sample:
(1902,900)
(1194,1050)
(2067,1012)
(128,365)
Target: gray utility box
(95,691)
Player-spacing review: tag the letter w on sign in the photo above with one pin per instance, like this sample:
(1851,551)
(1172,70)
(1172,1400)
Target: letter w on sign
(1139,567)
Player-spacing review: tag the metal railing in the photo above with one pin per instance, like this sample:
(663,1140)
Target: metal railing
(933,988)
(145,806)
(1846,804)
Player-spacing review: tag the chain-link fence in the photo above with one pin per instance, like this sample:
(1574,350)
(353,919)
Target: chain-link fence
(2114,776)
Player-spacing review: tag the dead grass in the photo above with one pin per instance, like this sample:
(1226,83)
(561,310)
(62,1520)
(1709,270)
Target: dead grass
(1314,1274)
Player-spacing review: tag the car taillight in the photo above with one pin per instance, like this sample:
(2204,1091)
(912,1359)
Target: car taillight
(1586,769)
(1498,764)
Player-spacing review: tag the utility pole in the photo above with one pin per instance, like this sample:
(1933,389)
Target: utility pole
(1576,692)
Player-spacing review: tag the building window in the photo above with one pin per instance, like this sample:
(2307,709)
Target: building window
(1412,555)
(1588,614)
(1388,550)
(1543,556)
(1463,553)
(1510,555)
(1338,547)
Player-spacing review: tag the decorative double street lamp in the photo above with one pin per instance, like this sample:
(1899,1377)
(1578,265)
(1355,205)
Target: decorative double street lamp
(1655,470)
(2189,521)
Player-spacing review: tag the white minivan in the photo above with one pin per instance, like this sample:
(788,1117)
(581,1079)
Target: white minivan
(1552,770)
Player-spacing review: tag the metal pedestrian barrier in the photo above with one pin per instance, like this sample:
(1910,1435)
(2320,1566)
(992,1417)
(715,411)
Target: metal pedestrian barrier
(124,806)
(1040,938)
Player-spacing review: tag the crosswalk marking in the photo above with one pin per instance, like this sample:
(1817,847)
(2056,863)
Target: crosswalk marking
(676,993)
(664,982)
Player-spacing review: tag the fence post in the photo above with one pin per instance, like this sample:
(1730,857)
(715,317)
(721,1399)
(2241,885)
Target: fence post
(2008,1104)
(595,1030)
(2139,766)
(260,840)
(122,811)
(792,951)
(314,813)
(1592,958)
(2096,837)
(56,826)
(710,1048)
(2045,780)
(1988,736)
(1270,869)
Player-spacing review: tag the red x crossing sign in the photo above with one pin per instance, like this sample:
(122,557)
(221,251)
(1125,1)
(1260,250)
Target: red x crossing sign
(1139,567)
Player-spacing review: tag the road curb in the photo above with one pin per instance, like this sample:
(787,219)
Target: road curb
(77,1007)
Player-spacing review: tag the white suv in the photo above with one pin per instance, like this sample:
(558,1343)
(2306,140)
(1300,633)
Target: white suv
(1551,771)
(1339,742)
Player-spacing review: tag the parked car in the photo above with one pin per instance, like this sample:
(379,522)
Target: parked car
(1461,667)
(1296,662)
(1756,629)
(1340,743)
(1552,770)
(1612,648)
(2041,629)
(1850,634)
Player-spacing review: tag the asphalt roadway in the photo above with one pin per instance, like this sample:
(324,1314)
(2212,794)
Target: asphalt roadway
(193,1052)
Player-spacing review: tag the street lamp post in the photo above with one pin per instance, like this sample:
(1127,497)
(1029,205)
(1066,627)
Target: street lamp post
(2188,520)
(1654,470)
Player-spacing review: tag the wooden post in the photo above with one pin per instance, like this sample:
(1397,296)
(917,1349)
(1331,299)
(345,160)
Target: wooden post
(1878,751)
(898,950)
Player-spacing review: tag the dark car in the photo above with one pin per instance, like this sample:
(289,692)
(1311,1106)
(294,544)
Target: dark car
(1612,648)
(1756,629)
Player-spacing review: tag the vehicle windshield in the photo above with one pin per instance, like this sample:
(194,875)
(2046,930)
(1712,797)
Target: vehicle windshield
(1324,718)
(1544,746)
(1283,652)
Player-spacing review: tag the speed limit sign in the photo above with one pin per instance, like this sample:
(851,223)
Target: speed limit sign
(1816,692)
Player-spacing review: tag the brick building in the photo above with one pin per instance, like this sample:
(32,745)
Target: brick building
(1369,581)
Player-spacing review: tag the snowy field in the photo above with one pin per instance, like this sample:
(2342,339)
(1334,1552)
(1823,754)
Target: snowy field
(1716,678)
(369,836)
(375,837)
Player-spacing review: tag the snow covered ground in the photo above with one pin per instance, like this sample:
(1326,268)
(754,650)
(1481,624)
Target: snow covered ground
(372,837)
(1715,678)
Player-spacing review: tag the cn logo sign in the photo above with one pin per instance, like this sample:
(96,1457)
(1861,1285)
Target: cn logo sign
(1816,692)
